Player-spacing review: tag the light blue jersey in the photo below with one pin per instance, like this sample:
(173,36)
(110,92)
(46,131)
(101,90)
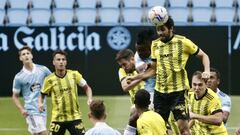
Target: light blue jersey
(101,128)
(150,82)
(225,100)
(29,83)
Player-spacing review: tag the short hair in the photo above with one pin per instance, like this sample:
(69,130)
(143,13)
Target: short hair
(59,52)
(216,71)
(124,54)
(25,47)
(145,37)
(198,74)
(142,99)
(169,23)
(97,109)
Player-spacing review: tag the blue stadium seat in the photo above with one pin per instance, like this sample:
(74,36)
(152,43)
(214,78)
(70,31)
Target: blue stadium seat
(64,3)
(133,16)
(2,4)
(86,16)
(23,4)
(180,15)
(87,3)
(202,3)
(40,17)
(17,17)
(63,16)
(225,15)
(133,3)
(224,3)
(109,3)
(109,16)
(178,3)
(151,3)
(2,17)
(46,4)
(202,15)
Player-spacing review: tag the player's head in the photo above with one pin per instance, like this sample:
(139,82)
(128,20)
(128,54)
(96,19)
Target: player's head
(214,80)
(25,54)
(60,60)
(97,110)
(165,32)
(142,99)
(198,84)
(125,59)
(143,44)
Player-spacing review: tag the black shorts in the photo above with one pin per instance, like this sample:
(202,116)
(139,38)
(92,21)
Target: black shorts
(74,127)
(175,102)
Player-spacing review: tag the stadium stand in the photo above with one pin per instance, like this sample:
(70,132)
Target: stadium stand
(126,12)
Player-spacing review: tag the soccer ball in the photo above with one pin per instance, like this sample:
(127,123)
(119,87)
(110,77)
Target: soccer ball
(158,15)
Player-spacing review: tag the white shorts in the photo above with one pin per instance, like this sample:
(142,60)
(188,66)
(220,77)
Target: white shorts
(36,123)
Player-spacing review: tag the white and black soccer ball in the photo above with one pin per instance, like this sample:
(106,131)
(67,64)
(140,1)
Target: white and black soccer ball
(158,15)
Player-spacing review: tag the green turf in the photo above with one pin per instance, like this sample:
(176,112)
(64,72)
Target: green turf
(12,123)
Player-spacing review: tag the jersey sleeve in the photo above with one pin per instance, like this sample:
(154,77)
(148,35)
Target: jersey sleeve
(80,80)
(138,60)
(16,85)
(190,47)
(47,71)
(226,104)
(215,106)
(121,74)
(153,51)
(46,89)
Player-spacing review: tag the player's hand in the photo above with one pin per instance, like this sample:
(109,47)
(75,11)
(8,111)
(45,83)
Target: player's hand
(24,113)
(129,79)
(238,131)
(89,101)
(41,107)
(205,75)
(192,115)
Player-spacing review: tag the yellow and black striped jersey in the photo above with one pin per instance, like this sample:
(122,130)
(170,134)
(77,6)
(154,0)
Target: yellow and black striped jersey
(122,74)
(206,105)
(64,94)
(151,123)
(171,59)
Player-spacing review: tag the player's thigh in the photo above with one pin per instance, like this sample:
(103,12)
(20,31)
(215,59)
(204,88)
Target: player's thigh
(57,128)
(76,127)
(36,124)
(180,110)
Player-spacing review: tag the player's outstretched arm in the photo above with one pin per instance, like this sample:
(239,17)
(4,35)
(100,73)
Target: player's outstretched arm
(88,92)
(214,119)
(206,63)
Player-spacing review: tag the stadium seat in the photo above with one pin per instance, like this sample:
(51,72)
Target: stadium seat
(225,15)
(86,16)
(178,3)
(133,16)
(63,16)
(22,4)
(109,15)
(203,3)
(2,4)
(87,3)
(133,3)
(202,15)
(40,17)
(17,17)
(151,3)
(109,3)
(44,4)
(64,3)
(224,3)
(2,17)
(180,15)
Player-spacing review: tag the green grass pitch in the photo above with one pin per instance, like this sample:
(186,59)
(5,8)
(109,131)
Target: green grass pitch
(118,107)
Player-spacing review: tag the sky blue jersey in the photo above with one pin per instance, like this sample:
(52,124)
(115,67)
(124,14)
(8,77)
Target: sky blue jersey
(29,84)
(150,82)
(101,128)
(225,100)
